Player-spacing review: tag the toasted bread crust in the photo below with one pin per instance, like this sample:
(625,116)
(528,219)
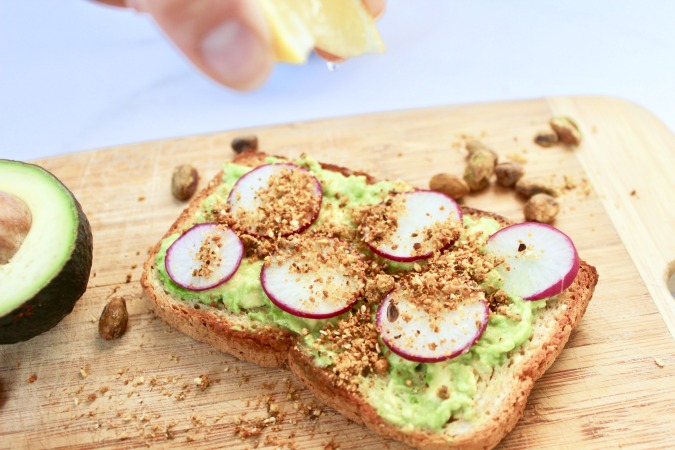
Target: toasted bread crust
(570,309)
(274,347)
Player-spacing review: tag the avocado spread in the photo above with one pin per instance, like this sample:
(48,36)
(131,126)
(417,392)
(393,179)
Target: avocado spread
(413,395)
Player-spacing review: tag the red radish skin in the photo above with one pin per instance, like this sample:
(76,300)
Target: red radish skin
(299,313)
(560,264)
(291,291)
(180,260)
(247,186)
(440,200)
(407,345)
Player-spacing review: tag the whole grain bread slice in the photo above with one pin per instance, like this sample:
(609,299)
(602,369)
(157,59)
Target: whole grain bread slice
(501,396)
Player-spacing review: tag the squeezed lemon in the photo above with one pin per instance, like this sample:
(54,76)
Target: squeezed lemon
(343,28)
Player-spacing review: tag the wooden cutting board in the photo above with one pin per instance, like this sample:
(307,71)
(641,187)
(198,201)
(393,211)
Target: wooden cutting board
(613,385)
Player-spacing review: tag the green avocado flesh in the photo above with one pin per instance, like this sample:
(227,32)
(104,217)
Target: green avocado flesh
(408,396)
(49,273)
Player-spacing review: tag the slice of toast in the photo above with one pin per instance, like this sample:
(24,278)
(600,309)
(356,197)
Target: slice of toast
(500,394)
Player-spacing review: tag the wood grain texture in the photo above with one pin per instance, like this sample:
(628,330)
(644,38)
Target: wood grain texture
(604,391)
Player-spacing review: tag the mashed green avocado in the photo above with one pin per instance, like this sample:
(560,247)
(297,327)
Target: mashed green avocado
(243,292)
(415,395)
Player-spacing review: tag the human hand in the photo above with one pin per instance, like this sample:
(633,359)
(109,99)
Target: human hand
(228,40)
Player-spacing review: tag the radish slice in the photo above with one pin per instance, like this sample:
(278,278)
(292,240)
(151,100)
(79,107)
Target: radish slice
(412,225)
(418,335)
(314,278)
(275,200)
(205,256)
(540,261)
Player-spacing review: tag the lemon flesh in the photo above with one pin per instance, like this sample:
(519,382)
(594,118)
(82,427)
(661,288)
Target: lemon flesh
(343,28)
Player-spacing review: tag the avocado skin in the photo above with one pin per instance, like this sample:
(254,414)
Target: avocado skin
(57,299)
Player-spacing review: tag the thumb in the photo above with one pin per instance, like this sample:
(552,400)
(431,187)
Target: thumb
(227,39)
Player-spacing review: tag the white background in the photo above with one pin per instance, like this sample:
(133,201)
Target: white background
(75,75)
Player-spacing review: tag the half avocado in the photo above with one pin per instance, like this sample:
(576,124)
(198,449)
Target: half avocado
(45,251)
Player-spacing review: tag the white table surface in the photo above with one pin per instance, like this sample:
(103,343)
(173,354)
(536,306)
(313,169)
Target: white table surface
(76,76)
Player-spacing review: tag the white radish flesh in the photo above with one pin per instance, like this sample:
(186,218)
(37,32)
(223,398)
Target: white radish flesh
(420,223)
(416,334)
(314,278)
(205,256)
(539,261)
(275,200)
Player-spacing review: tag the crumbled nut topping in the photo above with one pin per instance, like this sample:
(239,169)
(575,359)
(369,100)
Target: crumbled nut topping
(443,392)
(443,283)
(355,341)
(208,256)
(380,227)
(289,202)
(342,277)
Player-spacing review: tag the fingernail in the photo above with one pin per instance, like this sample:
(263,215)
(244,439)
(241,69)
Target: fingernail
(235,55)
(138,5)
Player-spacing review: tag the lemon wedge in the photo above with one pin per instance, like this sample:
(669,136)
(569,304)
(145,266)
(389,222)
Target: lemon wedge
(343,28)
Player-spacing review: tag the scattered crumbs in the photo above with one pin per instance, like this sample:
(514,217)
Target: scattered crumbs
(634,193)
(128,278)
(84,373)
(91,397)
(659,362)
(141,198)
(18,364)
(331,445)
(32,378)
(202,381)
(138,253)
(399,154)
(517,157)
(582,187)
(569,182)
(93,319)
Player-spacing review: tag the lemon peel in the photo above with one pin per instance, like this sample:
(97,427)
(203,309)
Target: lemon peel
(343,28)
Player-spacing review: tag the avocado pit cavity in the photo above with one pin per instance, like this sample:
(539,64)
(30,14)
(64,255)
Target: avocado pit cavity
(15,223)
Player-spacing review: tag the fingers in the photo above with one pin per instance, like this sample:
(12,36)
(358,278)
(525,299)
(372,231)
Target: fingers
(375,7)
(227,39)
(120,3)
